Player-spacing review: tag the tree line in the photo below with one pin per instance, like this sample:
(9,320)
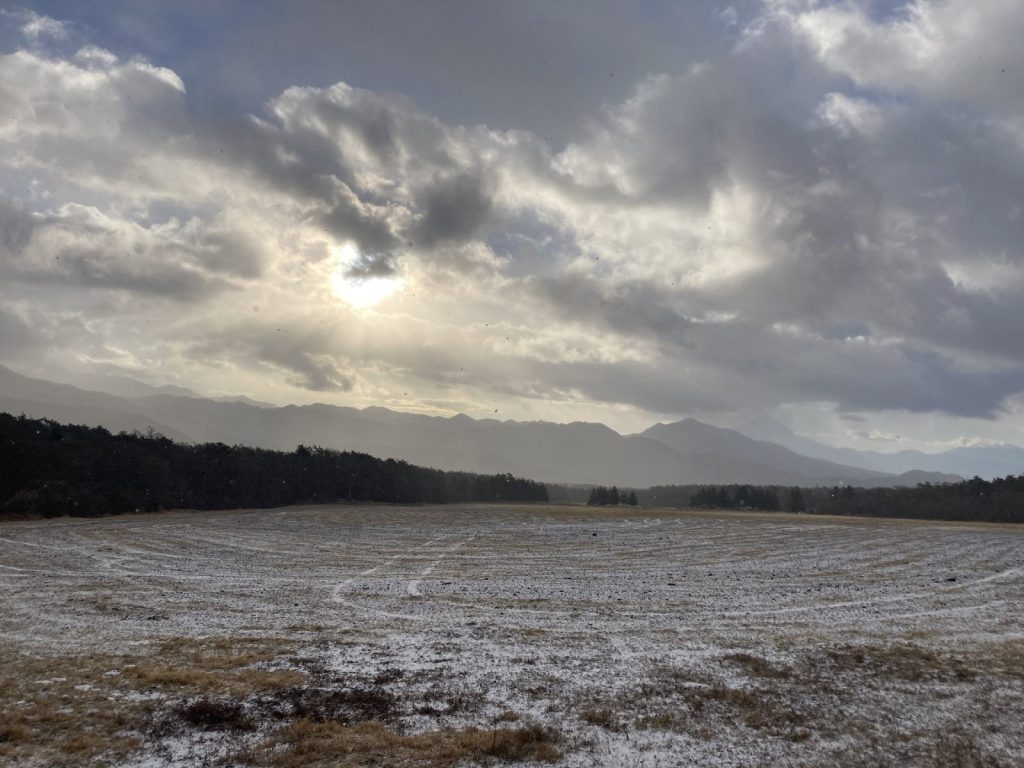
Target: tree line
(52,469)
(611,497)
(737,497)
(995,501)
(999,501)
(767,497)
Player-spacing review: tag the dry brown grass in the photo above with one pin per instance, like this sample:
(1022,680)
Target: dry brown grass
(911,663)
(950,750)
(221,681)
(69,711)
(308,744)
(961,751)
(684,701)
(757,666)
(660,721)
(760,710)
(602,716)
(62,726)
(10,732)
(73,711)
(1004,658)
(219,666)
(216,714)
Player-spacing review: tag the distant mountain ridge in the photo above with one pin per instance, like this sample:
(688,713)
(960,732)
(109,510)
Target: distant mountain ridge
(987,462)
(686,452)
(683,435)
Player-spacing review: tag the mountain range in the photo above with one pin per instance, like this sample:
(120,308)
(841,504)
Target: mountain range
(986,461)
(683,452)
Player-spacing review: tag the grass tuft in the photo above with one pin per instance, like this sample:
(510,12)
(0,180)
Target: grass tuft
(216,714)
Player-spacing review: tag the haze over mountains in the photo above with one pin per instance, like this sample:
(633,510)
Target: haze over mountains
(684,452)
(986,461)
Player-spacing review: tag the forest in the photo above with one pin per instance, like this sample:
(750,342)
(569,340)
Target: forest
(997,501)
(52,469)
(721,497)
(610,497)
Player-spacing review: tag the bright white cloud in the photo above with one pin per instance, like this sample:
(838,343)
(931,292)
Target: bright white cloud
(961,49)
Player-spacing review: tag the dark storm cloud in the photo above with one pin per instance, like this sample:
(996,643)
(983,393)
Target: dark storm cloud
(967,172)
(346,219)
(89,268)
(712,365)
(16,226)
(528,64)
(637,309)
(454,208)
(759,380)
(308,165)
(301,350)
(317,374)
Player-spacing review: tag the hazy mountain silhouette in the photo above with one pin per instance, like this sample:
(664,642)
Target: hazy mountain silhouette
(690,435)
(65,403)
(983,461)
(585,453)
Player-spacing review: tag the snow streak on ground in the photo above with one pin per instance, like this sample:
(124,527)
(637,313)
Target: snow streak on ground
(650,638)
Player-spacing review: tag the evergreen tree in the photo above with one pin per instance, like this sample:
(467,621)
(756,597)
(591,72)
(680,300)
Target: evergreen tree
(723,499)
(796,500)
(51,469)
(742,498)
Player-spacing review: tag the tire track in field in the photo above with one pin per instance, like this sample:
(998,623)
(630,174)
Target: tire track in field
(404,555)
(414,585)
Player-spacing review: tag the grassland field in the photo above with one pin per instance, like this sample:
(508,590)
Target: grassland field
(510,635)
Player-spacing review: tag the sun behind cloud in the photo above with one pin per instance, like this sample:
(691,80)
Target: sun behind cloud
(360,292)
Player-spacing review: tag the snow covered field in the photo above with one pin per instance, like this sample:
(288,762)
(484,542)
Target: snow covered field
(428,635)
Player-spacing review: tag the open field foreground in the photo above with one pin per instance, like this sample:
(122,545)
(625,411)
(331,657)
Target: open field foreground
(434,636)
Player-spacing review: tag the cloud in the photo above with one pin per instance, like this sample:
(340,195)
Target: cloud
(959,49)
(92,96)
(850,115)
(316,372)
(16,335)
(368,265)
(81,246)
(304,350)
(454,209)
(35,26)
(668,141)
(801,218)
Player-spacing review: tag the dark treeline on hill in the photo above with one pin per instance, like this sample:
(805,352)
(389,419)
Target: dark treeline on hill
(996,501)
(737,497)
(50,469)
(715,497)
(610,497)
(993,501)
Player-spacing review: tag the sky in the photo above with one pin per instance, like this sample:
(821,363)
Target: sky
(601,211)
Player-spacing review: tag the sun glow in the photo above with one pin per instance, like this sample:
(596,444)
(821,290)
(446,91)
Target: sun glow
(358,291)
